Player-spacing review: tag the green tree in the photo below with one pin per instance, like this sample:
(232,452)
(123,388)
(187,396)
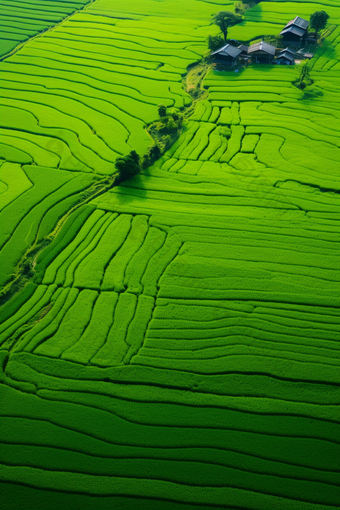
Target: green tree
(215,42)
(318,21)
(304,78)
(161,110)
(128,165)
(177,116)
(226,19)
(153,153)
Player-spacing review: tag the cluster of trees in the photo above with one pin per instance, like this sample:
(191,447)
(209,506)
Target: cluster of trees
(169,123)
(131,164)
(164,132)
(128,166)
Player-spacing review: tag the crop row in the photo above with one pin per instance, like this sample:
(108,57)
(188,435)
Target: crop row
(145,432)
(62,143)
(109,253)
(280,12)
(78,74)
(35,212)
(246,188)
(83,326)
(177,345)
(22,20)
(15,181)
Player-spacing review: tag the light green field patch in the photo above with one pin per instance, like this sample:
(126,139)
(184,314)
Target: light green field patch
(279,12)
(39,156)
(16,182)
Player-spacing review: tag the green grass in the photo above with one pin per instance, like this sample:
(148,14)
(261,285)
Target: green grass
(41,208)
(173,342)
(21,20)
(16,182)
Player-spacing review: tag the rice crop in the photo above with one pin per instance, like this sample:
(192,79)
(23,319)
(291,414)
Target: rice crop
(172,341)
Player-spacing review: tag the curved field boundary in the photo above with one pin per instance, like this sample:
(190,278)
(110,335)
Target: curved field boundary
(22,20)
(178,343)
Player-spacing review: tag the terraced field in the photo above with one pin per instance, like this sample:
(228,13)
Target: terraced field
(21,20)
(176,344)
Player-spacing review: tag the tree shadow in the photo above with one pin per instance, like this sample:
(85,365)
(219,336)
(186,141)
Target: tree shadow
(132,189)
(311,94)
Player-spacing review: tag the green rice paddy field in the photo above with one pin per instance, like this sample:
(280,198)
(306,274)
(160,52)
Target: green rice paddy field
(176,343)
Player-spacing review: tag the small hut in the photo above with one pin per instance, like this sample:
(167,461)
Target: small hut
(226,56)
(286,57)
(261,53)
(295,31)
(243,57)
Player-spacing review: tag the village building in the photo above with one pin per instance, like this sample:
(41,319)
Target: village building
(226,56)
(286,57)
(295,31)
(244,50)
(261,53)
(243,57)
(302,54)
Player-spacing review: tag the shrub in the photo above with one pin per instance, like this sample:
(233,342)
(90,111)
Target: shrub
(153,153)
(161,110)
(304,78)
(177,115)
(172,125)
(167,142)
(239,8)
(215,42)
(274,40)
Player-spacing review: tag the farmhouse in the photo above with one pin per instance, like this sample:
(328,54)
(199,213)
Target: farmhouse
(261,53)
(286,57)
(227,55)
(243,57)
(295,31)
(244,50)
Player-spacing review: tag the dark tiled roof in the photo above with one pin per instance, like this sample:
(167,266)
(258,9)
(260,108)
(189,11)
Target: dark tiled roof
(286,55)
(288,50)
(301,23)
(262,46)
(293,30)
(243,47)
(298,22)
(227,51)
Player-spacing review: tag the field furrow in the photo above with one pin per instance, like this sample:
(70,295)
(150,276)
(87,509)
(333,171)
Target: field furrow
(169,340)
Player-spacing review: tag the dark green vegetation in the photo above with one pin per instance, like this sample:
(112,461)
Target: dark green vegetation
(304,76)
(318,21)
(176,345)
(225,20)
